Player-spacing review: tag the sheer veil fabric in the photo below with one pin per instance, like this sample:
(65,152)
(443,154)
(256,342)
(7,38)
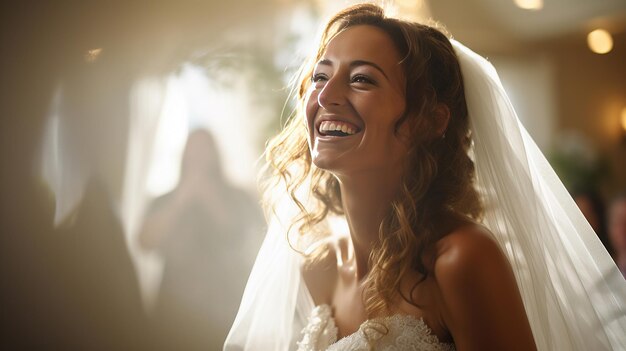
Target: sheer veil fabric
(574,295)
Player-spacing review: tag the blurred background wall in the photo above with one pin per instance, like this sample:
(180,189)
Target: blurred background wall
(98,104)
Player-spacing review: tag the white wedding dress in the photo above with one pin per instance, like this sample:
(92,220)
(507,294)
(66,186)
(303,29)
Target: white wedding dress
(403,332)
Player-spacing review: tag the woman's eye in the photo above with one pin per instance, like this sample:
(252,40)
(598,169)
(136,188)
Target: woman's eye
(359,78)
(320,77)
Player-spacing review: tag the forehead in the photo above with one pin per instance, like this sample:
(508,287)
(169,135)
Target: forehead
(363,42)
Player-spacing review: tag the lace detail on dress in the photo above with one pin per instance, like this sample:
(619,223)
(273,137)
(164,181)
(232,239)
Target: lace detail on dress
(395,333)
(320,331)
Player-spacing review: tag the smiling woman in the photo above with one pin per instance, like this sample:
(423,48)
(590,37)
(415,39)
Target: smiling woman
(356,84)
(408,138)
(348,90)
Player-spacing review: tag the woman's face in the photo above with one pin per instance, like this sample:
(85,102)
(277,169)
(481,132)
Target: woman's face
(357,95)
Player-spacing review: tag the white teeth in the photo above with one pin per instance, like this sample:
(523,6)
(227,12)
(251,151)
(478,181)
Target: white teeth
(329,126)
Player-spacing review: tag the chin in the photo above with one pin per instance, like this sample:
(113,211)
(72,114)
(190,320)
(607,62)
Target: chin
(325,163)
(330,162)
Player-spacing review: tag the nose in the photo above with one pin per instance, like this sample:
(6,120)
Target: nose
(332,94)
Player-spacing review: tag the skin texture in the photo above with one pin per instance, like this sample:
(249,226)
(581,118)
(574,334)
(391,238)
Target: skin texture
(472,298)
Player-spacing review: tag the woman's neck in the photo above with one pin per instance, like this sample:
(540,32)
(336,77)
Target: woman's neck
(366,200)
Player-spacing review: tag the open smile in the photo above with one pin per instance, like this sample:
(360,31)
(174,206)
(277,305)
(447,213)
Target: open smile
(336,128)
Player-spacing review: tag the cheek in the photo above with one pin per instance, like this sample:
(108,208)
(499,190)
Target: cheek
(384,118)
(392,140)
(311,106)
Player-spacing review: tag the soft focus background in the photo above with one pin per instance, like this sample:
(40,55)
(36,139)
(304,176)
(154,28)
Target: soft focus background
(131,134)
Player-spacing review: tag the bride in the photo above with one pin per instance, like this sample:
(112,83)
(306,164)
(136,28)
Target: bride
(417,213)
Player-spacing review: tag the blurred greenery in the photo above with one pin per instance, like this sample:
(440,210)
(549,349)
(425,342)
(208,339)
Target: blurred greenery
(579,173)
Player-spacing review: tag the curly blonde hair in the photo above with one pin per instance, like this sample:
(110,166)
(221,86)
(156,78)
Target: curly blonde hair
(439,178)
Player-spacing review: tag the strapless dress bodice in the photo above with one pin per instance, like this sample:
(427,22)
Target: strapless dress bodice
(398,332)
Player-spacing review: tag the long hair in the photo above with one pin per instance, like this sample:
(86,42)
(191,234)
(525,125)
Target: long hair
(439,178)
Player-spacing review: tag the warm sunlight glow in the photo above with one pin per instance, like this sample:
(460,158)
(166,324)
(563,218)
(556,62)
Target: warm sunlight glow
(533,5)
(414,10)
(92,55)
(624,119)
(600,41)
(417,4)
(169,140)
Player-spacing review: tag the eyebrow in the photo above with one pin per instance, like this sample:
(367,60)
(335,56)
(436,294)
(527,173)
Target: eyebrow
(356,63)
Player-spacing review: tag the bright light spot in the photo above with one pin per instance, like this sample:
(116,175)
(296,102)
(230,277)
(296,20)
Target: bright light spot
(412,10)
(169,140)
(600,41)
(533,5)
(413,4)
(92,55)
(624,119)
(193,101)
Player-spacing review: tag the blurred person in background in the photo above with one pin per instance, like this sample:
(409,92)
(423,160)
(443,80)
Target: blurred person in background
(617,230)
(203,231)
(94,285)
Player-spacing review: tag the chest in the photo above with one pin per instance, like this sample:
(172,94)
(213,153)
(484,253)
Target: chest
(348,308)
(349,312)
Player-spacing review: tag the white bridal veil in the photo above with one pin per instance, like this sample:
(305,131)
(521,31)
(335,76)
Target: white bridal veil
(574,295)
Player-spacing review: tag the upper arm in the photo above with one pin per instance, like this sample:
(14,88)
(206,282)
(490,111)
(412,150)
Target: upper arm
(482,308)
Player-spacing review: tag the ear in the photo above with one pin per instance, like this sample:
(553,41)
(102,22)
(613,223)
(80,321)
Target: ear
(442,118)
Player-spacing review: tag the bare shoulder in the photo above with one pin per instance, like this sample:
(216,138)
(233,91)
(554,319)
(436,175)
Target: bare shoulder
(482,306)
(467,249)
(470,260)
